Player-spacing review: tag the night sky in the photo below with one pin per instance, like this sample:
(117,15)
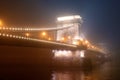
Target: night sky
(101,17)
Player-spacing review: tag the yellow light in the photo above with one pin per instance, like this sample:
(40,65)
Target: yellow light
(86,42)
(49,38)
(88,45)
(69,37)
(81,39)
(63,39)
(93,47)
(0,23)
(44,33)
(27,34)
(75,43)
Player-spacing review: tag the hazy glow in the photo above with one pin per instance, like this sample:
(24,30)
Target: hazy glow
(62,53)
(69,37)
(77,38)
(44,33)
(81,39)
(86,42)
(82,54)
(66,18)
(27,34)
(0,22)
(49,38)
(75,42)
(36,29)
(63,39)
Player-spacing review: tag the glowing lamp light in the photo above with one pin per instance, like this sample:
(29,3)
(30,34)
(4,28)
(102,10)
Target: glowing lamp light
(86,42)
(63,39)
(75,43)
(81,39)
(44,33)
(27,34)
(0,23)
(93,47)
(69,37)
(49,38)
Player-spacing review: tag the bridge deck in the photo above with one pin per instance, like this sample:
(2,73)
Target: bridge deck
(37,43)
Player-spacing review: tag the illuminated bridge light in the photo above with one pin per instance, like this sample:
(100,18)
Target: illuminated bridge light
(16,36)
(19,37)
(37,29)
(86,42)
(66,18)
(3,34)
(49,38)
(62,54)
(13,29)
(27,34)
(44,33)
(82,53)
(3,28)
(7,28)
(7,35)
(10,28)
(69,37)
(1,23)
(11,35)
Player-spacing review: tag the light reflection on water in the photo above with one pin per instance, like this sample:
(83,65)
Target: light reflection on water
(70,75)
(101,73)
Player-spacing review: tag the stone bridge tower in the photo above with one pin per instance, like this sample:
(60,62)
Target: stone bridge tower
(73,32)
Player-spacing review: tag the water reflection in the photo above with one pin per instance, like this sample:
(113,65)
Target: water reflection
(101,73)
(70,75)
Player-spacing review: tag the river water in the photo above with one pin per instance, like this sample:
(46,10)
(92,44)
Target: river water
(107,71)
(19,65)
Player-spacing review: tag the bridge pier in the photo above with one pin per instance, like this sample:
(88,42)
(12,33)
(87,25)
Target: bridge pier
(68,58)
(77,58)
